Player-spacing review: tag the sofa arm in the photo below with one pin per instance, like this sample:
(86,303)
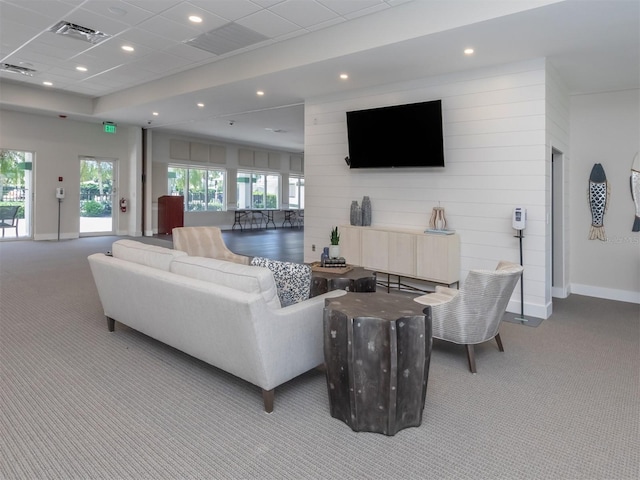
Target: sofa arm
(289,340)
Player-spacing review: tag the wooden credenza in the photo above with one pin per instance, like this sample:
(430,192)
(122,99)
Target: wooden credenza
(170,213)
(407,253)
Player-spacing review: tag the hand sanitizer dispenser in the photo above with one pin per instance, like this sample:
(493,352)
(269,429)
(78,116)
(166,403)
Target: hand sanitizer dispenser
(519,218)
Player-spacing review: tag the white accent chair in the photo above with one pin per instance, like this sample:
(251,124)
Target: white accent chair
(205,242)
(473,314)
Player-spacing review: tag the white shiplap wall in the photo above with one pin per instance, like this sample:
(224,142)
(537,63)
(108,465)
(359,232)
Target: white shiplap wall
(495,154)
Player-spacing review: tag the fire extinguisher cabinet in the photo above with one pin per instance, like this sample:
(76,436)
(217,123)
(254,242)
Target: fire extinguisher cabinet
(170,213)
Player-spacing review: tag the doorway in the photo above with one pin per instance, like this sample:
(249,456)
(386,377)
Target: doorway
(558,234)
(97,194)
(16,193)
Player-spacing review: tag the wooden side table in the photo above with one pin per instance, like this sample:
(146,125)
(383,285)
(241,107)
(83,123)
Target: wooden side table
(377,349)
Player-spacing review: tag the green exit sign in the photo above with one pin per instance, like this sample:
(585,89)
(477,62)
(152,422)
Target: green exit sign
(109,127)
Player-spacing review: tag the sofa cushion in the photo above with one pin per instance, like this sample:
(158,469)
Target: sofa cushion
(143,254)
(234,275)
(293,280)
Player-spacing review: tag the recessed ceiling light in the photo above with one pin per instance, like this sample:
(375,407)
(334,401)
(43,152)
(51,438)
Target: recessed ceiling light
(259,93)
(195,19)
(155,114)
(468,51)
(48,84)
(81,69)
(344,76)
(201,105)
(127,48)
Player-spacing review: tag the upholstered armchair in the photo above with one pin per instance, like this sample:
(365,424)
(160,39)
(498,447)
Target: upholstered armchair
(473,314)
(205,242)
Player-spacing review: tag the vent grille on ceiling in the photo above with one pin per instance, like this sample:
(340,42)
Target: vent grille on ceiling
(7,67)
(226,39)
(79,32)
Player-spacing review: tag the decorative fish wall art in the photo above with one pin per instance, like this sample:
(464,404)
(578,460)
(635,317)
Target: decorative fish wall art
(635,191)
(598,202)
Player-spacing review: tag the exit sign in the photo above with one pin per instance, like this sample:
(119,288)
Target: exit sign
(109,127)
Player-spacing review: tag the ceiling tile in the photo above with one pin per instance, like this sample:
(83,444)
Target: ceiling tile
(14,35)
(304,14)
(70,75)
(58,47)
(155,6)
(111,52)
(22,14)
(344,7)
(131,14)
(366,11)
(268,24)
(181,12)
(162,62)
(195,54)
(269,3)
(169,29)
(230,9)
(147,39)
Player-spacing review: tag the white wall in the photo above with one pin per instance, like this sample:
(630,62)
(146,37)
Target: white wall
(605,129)
(496,159)
(58,144)
(557,112)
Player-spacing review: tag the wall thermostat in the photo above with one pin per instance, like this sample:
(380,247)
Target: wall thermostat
(60,192)
(519,218)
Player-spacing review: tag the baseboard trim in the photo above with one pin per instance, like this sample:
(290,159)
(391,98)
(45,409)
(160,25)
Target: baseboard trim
(530,310)
(606,293)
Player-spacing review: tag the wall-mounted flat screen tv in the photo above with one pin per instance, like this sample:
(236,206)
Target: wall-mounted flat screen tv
(396,136)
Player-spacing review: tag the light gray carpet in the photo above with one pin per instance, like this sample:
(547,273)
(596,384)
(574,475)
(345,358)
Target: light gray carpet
(78,402)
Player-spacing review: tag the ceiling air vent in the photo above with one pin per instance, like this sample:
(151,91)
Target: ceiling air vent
(78,32)
(225,39)
(7,67)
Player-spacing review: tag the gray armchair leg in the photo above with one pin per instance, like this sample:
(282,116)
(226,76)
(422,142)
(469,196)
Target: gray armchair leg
(111,324)
(499,342)
(471,356)
(267,398)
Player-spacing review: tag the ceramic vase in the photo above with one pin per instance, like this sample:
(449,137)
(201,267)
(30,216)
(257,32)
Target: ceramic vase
(334,251)
(366,211)
(438,221)
(355,214)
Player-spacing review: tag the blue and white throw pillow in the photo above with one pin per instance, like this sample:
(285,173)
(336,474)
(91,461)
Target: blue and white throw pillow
(293,280)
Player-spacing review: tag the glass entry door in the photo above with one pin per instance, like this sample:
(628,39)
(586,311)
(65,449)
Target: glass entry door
(15,194)
(97,196)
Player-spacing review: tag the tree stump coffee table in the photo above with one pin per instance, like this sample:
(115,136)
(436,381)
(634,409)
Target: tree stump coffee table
(355,280)
(377,349)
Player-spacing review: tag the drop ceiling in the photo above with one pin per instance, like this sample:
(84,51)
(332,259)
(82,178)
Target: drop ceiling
(291,50)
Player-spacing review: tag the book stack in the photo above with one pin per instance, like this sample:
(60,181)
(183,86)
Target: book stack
(334,262)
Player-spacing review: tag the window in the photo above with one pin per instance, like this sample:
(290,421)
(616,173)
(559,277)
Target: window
(258,190)
(296,192)
(202,189)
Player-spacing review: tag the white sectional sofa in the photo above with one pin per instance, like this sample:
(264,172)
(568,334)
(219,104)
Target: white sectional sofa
(226,314)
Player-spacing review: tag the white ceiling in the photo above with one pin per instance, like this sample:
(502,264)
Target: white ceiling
(304,46)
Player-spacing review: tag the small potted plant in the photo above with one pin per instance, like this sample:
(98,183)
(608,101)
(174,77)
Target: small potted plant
(334,249)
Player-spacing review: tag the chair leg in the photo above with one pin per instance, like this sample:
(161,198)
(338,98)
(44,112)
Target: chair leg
(499,342)
(267,398)
(471,357)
